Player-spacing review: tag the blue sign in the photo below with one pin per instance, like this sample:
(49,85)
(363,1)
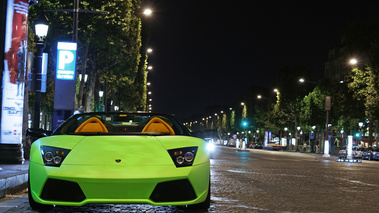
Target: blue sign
(66,61)
(311,135)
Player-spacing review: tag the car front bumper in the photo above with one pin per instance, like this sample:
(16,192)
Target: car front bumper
(76,185)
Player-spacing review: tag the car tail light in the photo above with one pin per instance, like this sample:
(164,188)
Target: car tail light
(53,156)
(183,156)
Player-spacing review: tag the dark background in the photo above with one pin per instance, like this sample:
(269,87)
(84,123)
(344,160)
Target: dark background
(208,52)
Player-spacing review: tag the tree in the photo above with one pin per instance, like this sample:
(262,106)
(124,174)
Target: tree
(365,86)
(110,56)
(291,94)
(363,40)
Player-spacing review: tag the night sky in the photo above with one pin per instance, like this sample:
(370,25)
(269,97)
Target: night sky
(208,52)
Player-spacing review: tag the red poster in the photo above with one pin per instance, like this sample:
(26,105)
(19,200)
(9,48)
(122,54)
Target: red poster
(15,51)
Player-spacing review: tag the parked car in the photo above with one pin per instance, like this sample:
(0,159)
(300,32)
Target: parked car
(342,153)
(256,146)
(119,158)
(356,152)
(371,153)
(231,142)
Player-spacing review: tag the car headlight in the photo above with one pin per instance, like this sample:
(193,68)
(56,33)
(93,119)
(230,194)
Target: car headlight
(183,156)
(210,147)
(53,156)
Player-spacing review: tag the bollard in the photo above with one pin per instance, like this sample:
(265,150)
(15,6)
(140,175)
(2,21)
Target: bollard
(243,145)
(326,149)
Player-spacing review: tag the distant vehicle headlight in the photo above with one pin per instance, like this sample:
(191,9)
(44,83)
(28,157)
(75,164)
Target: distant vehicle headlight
(210,146)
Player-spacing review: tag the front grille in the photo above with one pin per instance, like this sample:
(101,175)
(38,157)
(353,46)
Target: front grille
(61,190)
(173,191)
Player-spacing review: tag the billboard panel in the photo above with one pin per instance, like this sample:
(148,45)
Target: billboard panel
(13,82)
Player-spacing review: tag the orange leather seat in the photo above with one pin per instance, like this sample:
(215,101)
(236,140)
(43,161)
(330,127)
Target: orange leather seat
(92,125)
(157,125)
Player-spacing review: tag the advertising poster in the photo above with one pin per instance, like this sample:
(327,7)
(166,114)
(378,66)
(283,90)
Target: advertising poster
(15,53)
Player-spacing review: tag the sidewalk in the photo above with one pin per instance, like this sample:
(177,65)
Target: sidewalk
(13,178)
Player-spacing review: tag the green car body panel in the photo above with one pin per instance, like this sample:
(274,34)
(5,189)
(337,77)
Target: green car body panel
(119,169)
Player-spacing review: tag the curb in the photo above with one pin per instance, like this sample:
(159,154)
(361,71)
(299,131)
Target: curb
(13,184)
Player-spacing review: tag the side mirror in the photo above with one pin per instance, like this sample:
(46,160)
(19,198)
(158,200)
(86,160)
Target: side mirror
(35,134)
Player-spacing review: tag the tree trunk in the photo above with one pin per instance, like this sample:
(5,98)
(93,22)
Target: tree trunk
(90,92)
(370,130)
(296,133)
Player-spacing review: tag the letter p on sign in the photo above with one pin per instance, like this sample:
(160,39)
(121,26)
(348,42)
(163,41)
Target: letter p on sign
(65,57)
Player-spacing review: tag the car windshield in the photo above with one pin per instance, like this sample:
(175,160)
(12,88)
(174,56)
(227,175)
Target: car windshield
(121,124)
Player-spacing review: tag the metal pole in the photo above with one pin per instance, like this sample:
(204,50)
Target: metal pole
(75,24)
(37,83)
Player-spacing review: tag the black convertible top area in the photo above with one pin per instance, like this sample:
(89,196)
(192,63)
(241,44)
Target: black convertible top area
(121,123)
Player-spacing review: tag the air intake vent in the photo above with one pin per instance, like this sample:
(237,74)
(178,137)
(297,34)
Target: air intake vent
(61,190)
(173,191)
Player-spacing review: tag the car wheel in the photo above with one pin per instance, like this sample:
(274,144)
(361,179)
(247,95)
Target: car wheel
(204,205)
(34,204)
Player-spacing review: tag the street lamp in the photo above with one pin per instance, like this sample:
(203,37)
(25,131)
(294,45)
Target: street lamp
(41,29)
(147,12)
(302,80)
(353,61)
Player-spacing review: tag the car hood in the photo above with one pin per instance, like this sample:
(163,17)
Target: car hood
(127,150)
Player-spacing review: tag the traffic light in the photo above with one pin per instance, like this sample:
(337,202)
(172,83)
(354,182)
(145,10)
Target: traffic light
(358,134)
(244,123)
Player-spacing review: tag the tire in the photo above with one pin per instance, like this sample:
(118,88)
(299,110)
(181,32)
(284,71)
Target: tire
(203,205)
(34,204)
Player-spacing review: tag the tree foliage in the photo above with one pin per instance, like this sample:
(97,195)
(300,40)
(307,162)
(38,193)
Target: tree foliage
(108,46)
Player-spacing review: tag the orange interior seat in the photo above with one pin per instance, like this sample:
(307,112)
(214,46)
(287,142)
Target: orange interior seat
(157,125)
(92,125)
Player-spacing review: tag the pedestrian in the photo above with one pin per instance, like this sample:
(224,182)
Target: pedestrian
(79,110)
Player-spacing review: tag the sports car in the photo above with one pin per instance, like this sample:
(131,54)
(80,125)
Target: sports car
(143,158)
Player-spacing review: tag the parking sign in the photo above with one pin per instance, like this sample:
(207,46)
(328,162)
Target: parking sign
(66,61)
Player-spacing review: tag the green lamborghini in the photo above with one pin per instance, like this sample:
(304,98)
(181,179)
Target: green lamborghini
(134,158)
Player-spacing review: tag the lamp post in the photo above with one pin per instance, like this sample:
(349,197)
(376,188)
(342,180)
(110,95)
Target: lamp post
(101,105)
(41,28)
(360,130)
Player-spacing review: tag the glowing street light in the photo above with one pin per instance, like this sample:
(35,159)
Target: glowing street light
(149,50)
(353,61)
(147,12)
